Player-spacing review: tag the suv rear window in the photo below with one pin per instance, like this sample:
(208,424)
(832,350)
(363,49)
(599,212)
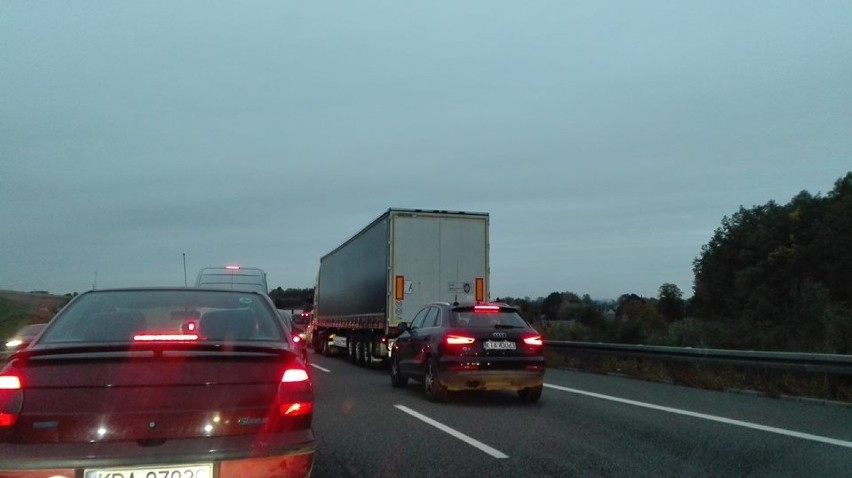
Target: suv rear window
(505,317)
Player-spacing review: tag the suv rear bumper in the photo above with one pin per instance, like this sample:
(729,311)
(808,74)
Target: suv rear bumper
(508,374)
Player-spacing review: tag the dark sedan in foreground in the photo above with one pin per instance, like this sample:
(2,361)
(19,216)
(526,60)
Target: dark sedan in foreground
(451,347)
(141,383)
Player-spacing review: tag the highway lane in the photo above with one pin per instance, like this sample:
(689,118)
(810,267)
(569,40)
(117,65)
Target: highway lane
(363,429)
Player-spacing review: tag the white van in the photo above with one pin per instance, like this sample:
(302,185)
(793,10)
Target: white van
(233,277)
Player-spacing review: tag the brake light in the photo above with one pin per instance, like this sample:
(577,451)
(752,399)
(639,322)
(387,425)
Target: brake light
(294,393)
(294,375)
(459,340)
(232,268)
(11,399)
(165,337)
(534,340)
(10,382)
(296,409)
(486,309)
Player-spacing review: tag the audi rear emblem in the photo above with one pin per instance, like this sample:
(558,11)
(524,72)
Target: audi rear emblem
(500,335)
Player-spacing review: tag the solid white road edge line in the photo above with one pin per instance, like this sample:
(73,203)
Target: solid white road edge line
(729,421)
(320,368)
(457,434)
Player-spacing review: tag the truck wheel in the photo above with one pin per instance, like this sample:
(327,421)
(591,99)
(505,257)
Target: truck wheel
(398,380)
(326,349)
(319,343)
(364,351)
(434,390)
(351,344)
(360,352)
(531,394)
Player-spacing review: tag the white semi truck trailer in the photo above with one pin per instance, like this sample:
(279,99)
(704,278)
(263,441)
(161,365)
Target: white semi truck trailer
(389,270)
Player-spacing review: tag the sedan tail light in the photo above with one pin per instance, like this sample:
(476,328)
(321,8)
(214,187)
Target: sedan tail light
(11,399)
(295,396)
(294,375)
(296,409)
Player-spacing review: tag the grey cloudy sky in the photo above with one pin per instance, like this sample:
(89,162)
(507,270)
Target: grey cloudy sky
(606,139)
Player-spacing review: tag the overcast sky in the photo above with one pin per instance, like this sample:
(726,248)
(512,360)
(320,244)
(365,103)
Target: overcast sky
(606,139)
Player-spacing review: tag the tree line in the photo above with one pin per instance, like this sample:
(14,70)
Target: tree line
(772,277)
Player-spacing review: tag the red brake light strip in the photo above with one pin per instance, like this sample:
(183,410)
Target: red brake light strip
(165,337)
(486,308)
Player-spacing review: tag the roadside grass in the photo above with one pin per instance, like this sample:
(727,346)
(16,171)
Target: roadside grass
(21,308)
(12,317)
(774,383)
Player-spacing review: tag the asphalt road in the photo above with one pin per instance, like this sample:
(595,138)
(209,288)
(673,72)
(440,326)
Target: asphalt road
(584,425)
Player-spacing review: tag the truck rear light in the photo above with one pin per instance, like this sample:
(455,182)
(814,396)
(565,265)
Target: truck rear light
(399,288)
(11,399)
(534,340)
(459,340)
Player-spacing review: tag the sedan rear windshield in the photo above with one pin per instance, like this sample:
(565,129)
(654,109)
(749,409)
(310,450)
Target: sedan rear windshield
(472,318)
(125,316)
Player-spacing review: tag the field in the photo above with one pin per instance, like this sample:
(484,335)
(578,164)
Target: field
(21,308)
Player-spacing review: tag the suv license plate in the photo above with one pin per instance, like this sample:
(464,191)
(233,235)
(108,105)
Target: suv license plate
(498,345)
(178,471)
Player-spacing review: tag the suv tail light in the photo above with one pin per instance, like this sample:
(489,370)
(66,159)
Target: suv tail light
(459,340)
(11,399)
(534,340)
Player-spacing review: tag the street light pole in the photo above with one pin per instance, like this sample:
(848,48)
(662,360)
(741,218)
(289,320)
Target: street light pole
(184,269)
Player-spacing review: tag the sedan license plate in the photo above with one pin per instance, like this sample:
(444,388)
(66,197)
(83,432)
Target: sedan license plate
(178,471)
(498,345)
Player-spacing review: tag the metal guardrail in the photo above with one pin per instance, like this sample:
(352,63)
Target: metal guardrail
(806,362)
